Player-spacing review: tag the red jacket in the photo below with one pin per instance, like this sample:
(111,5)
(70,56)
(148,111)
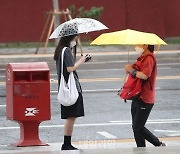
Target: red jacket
(149,68)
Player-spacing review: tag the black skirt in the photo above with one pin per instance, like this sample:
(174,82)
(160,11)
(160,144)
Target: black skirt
(76,110)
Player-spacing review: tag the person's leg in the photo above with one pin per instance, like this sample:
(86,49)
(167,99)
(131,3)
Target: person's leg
(146,133)
(69,125)
(150,137)
(68,130)
(140,141)
(140,130)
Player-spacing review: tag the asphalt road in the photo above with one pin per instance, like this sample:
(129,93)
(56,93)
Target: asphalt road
(106,116)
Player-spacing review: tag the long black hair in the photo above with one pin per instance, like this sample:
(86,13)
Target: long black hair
(63,42)
(151,48)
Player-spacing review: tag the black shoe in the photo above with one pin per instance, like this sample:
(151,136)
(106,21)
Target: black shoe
(163,144)
(68,147)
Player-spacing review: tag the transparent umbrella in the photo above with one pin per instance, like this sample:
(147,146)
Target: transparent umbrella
(77,26)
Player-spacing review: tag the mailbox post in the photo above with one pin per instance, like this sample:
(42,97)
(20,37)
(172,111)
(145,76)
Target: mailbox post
(28,99)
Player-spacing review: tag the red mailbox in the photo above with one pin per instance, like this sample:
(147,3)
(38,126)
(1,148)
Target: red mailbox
(28,99)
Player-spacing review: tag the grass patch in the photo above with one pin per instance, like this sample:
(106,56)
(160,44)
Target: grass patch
(32,44)
(172,41)
(24,45)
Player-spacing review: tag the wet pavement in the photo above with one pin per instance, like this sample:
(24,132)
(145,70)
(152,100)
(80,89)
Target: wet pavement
(100,79)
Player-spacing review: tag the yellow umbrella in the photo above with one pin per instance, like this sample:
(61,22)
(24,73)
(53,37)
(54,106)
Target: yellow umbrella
(128,37)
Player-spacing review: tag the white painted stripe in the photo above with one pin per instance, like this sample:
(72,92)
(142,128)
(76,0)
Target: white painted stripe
(2,105)
(119,69)
(110,62)
(168,64)
(98,70)
(98,90)
(157,88)
(107,135)
(101,90)
(3,145)
(164,68)
(106,62)
(150,120)
(169,121)
(54,91)
(173,135)
(166,131)
(94,90)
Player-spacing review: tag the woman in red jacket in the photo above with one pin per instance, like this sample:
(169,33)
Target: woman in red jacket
(142,106)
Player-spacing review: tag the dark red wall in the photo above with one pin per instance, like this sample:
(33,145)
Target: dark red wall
(146,15)
(172,18)
(23,20)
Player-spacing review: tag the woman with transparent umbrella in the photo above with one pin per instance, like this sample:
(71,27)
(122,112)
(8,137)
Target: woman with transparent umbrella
(70,113)
(68,33)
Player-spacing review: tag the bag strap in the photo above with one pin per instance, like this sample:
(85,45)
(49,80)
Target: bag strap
(62,58)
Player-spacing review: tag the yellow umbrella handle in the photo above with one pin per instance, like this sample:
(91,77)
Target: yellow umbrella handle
(128,55)
(158,48)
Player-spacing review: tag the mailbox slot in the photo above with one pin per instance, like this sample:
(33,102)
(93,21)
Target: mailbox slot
(22,77)
(40,76)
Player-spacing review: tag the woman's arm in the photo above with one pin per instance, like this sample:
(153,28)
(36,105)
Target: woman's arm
(77,64)
(139,74)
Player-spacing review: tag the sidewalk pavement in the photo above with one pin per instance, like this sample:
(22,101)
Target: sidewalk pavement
(126,146)
(98,53)
(123,146)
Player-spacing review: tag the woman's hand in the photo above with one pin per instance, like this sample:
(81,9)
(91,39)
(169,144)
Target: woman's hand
(139,74)
(128,68)
(77,64)
(82,59)
(85,58)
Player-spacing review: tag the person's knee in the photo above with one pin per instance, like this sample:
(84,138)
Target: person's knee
(136,128)
(71,119)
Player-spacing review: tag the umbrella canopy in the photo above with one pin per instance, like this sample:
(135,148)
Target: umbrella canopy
(77,26)
(128,37)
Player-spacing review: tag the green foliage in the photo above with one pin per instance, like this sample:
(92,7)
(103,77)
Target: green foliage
(175,40)
(72,9)
(93,12)
(80,12)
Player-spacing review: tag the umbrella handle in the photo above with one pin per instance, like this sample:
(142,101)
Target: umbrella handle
(128,55)
(78,40)
(158,48)
(80,46)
